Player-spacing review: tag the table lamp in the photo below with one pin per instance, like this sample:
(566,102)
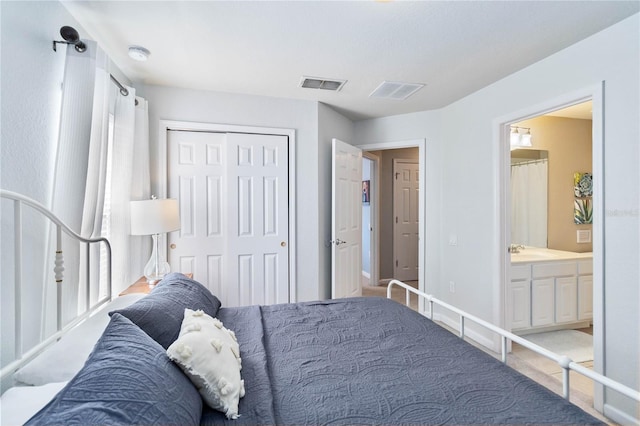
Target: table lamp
(154,217)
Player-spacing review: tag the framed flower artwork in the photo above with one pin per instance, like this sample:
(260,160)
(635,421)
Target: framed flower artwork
(582,184)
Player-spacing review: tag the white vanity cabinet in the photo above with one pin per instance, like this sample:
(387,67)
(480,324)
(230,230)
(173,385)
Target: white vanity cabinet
(519,297)
(566,299)
(585,290)
(550,295)
(542,302)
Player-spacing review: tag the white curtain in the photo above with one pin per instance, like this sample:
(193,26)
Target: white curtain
(80,178)
(130,181)
(529,203)
(96,177)
(140,245)
(70,172)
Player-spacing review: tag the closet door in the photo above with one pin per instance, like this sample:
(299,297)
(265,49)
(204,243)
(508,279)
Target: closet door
(233,196)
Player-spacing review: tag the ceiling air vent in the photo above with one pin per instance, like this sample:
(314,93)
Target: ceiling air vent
(322,83)
(395,90)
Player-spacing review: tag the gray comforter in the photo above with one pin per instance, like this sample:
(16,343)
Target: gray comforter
(373,361)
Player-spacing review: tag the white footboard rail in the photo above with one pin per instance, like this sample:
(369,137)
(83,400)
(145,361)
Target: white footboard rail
(563,361)
(21,356)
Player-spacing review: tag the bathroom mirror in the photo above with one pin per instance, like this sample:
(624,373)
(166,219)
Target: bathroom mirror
(529,200)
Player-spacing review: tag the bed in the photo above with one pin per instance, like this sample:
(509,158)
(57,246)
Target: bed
(347,361)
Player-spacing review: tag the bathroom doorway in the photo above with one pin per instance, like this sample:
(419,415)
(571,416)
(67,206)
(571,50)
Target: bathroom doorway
(535,298)
(551,227)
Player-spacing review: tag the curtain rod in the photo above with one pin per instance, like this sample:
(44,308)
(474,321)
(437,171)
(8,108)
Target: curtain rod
(522,163)
(123,90)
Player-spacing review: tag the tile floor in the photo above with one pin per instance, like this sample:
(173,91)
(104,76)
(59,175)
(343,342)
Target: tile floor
(536,367)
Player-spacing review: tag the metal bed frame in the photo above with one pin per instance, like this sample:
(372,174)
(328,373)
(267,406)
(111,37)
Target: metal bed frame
(21,356)
(566,363)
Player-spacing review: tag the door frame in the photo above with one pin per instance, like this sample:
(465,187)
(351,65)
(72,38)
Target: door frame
(166,125)
(421,144)
(501,152)
(374,204)
(397,161)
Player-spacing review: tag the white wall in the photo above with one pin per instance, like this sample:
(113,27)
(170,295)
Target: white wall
(29,115)
(466,165)
(421,125)
(167,103)
(331,125)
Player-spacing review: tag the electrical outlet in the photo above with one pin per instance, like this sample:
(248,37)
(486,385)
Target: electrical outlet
(452,287)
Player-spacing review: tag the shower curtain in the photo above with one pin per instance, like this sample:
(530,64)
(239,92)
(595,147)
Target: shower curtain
(529,203)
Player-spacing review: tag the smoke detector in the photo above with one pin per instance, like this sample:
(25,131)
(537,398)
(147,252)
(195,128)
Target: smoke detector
(395,90)
(139,53)
(322,83)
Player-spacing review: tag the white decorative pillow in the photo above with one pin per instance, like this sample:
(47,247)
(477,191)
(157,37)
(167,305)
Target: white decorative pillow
(209,355)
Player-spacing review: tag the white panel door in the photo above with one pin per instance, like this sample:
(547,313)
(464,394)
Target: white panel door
(196,174)
(346,226)
(233,196)
(258,226)
(406,226)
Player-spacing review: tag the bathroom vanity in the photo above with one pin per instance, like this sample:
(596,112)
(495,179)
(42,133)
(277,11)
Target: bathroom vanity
(549,290)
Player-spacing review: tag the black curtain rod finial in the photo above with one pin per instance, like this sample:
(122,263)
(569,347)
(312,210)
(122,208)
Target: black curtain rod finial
(70,36)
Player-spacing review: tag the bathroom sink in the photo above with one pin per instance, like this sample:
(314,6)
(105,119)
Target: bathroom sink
(528,255)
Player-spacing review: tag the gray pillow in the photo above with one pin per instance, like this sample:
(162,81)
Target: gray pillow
(127,380)
(160,314)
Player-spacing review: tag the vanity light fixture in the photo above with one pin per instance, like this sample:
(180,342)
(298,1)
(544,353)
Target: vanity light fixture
(519,137)
(139,53)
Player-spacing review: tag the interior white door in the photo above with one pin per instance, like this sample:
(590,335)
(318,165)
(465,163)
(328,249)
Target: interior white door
(233,196)
(258,226)
(346,216)
(406,193)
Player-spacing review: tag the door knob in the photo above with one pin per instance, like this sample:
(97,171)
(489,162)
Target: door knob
(173,246)
(283,244)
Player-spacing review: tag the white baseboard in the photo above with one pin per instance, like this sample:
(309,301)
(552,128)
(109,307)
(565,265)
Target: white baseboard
(619,416)
(468,332)
(366,275)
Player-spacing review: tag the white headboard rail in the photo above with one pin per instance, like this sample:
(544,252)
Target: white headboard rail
(22,357)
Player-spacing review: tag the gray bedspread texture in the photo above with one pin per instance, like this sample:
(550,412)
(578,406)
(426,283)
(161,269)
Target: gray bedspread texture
(374,361)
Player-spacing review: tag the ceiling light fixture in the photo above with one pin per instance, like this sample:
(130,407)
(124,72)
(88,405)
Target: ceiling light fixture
(520,137)
(139,53)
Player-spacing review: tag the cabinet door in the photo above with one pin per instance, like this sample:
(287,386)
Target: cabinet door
(585,297)
(542,302)
(566,299)
(519,304)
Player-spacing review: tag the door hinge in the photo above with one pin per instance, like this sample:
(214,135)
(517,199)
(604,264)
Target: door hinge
(396,219)
(396,263)
(397,174)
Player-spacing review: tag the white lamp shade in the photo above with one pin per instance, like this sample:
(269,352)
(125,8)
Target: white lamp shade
(150,217)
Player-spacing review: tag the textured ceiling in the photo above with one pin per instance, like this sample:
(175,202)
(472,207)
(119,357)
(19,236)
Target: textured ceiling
(264,47)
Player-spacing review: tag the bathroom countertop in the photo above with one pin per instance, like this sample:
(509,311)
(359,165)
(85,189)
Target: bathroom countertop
(537,254)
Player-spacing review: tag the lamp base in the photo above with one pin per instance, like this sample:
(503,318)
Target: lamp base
(156,267)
